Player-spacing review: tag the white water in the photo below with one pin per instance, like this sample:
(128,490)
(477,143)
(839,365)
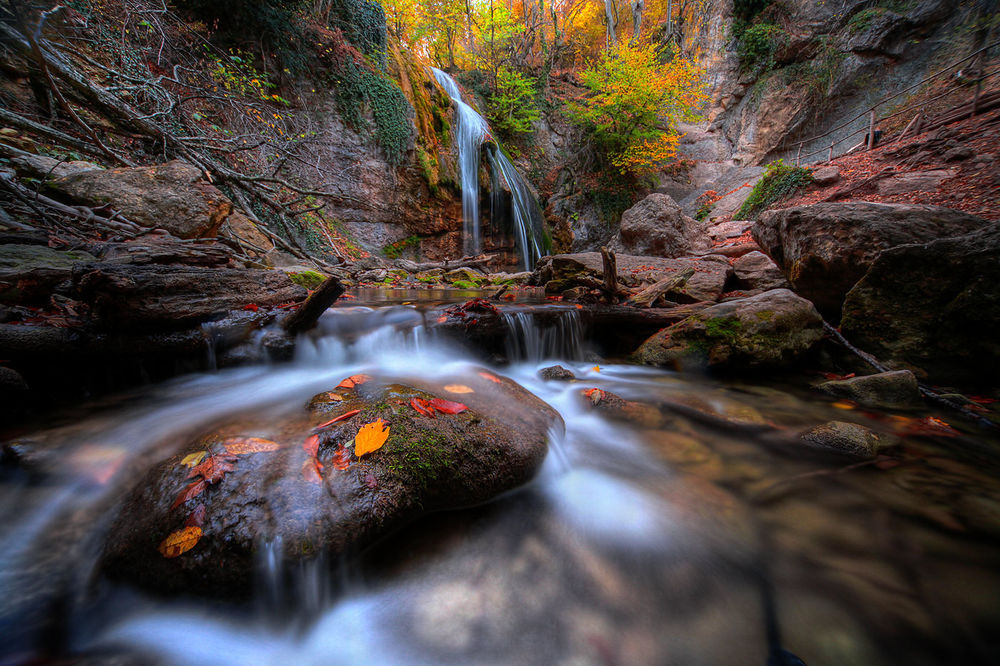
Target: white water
(471,132)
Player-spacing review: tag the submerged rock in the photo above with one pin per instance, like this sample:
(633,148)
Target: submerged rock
(773,328)
(278,495)
(933,306)
(887,390)
(556,373)
(657,227)
(846,438)
(825,248)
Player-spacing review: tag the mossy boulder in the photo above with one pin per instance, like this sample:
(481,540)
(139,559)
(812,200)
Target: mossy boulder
(846,439)
(427,463)
(887,390)
(767,330)
(464,275)
(307,279)
(29,274)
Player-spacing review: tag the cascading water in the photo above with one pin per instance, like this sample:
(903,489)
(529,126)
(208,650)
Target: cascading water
(529,340)
(471,132)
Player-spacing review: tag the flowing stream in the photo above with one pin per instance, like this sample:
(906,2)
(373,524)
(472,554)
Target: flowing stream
(471,132)
(705,538)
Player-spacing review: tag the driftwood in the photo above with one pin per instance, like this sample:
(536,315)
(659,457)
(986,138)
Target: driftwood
(309,312)
(449,264)
(610,271)
(650,295)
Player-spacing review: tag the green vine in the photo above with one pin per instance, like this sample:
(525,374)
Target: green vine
(779,181)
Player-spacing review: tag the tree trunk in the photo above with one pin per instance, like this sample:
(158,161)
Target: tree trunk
(609,11)
(637,7)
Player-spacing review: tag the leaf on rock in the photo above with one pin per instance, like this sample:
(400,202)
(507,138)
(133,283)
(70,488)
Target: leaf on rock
(333,397)
(342,417)
(844,404)
(488,377)
(341,459)
(595,395)
(197,517)
(311,446)
(458,388)
(213,468)
(353,380)
(310,471)
(370,437)
(596,368)
(447,406)
(179,542)
(191,490)
(193,459)
(241,446)
(422,406)
(929,426)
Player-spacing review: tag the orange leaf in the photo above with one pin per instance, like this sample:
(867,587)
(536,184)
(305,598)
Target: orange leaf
(341,459)
(240,446)
(370,437)
(353,380)
(493,378)
(843,404)
(596,368)
(458,388)
(214,468)
(197,517)
(422,406)
(192,490)
(342,417)
(311,446)
(310,471)
(447,406)
(595,395)
(179,542)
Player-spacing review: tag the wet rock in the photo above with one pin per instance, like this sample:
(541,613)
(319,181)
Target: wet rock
(771,329)
(846,438)
(29,274)
(426,464)
(887,390)
(614,407)
(13,388)
(933,306)
(826,176)
(463,275)
(656,226)
(174,196)
(755,270)
(825,248)
(129,296)
(520,278)
(556,373)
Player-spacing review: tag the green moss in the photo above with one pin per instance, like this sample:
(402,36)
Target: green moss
(722,327)
(395,250)
(417,459)
(865,18)
(779,181)
(463,284)
(307,279)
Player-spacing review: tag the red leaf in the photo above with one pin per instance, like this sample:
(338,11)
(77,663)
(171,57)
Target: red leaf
(447,406)
(310,471)
(192,490)
(213,468)
(197,517)
(342,417)
(422,406)
(488,377)
(341,459)
(353,380)
(252,307)
(311,446)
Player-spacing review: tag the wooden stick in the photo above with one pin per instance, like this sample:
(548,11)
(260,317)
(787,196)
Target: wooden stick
(309,312)
(610,271)
(650,295)
(871,130)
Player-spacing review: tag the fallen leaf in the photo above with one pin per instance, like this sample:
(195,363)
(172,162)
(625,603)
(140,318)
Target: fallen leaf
(929,426)
(442,319)
(310,471)
(492,378)
(190,491)
(342,417)
(370,437)
(179,542)
(333,397)
(252,307)
(341,459)
(353,380)
(422,406)
(844,405)
(193,459)
(311,445)
(458,388)
(213,468)
(833,376)
(447,406)
(197,517)
(595,395)
(241,446)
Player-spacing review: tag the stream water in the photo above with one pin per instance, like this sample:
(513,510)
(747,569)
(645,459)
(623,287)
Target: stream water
(709,540)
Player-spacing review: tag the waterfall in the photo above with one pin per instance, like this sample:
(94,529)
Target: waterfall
(530,340)
(471,132)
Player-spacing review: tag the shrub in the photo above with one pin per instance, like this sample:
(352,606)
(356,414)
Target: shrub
(512,109)
(779,181)
(758,46)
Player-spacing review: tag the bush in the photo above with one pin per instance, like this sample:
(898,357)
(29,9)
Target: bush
(779,181)
(758,46)
(511,107)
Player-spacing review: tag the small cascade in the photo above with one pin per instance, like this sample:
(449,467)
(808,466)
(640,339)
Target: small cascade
(530,340)
(526,216)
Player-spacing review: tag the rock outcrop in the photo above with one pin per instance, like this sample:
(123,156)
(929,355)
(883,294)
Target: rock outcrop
(933,306)
(657,227)
(770,329)
(824,249)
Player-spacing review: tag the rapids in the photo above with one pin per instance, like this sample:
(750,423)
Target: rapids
(706,541)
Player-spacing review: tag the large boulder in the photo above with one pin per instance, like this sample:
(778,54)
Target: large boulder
(271,493)
(174,196)
(29,274)
(657,227)
(755,270)
(558,273)
(896,389)
(770,329)
(825,248)
(933,306)
(128,296)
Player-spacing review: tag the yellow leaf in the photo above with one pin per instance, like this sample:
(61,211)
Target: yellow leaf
(193,459)
(458,388)
(843,405)
(239,446)
(370,438)
(179,542)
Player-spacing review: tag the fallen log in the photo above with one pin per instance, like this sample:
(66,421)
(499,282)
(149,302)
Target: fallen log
(465,262)
(309,312)
(650,295)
